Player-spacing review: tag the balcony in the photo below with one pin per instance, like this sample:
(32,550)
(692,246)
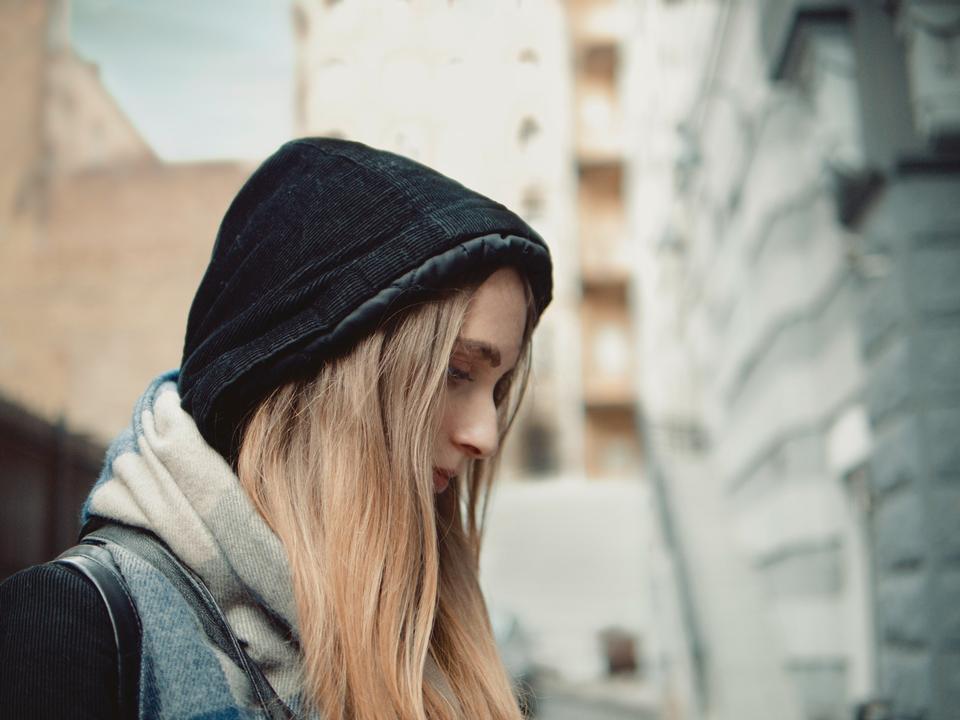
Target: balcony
(608,365)
(593,21)
(604,250)
(599,124)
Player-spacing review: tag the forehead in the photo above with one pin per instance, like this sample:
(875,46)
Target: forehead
(497,316)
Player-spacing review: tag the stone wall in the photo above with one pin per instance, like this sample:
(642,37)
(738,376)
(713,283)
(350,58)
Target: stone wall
(911,340)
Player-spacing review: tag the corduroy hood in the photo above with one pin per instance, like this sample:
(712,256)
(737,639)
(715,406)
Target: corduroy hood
(323,241)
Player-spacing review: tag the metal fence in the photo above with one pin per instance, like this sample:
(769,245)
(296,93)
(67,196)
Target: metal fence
(45,474)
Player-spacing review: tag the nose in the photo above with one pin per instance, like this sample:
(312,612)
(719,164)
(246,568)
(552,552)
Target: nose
(476,431)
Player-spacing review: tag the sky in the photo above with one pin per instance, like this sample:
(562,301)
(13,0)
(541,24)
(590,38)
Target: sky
(200,80)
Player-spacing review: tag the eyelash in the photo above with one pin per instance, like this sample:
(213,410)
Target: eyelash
(500,391)
(456,375)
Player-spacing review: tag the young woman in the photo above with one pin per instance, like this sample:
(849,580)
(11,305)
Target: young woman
(320,461)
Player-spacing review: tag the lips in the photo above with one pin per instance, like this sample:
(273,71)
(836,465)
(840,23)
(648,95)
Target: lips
(441,479)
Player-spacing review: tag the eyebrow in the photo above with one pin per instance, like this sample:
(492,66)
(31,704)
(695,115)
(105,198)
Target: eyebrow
(477,347)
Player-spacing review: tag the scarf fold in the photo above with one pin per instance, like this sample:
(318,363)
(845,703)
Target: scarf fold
(162,476)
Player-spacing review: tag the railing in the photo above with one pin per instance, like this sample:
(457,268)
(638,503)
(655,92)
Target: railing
(45,474)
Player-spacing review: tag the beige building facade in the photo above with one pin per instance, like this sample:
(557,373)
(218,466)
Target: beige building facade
(103,244)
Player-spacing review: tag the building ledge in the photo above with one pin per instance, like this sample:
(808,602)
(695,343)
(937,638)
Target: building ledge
(928,164)
(785,26)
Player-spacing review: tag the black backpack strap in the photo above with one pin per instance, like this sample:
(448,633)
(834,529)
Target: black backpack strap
(151,549)
(98,566)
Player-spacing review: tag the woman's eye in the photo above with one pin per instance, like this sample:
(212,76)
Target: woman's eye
(500,390)
(457,375)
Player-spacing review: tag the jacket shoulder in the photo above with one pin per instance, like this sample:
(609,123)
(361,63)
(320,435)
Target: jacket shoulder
(56,646)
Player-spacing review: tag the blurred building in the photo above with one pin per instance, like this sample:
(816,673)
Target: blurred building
(103,244)
(101,248)
(795,199)
(612,438)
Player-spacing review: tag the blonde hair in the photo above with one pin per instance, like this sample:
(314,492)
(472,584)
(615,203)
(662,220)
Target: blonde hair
(385,573)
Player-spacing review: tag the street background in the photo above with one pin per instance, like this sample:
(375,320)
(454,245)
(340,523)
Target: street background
(734,490)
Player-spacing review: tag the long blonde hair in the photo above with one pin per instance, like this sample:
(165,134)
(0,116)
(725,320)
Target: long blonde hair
(385,572)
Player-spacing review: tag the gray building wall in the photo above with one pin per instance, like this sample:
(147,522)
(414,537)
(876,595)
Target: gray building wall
(802,315)
(911,342)
(909,92)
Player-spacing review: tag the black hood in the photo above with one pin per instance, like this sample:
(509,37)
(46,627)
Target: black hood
(323,241)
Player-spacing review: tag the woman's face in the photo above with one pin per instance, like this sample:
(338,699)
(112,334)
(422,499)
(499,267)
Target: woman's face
(483,358)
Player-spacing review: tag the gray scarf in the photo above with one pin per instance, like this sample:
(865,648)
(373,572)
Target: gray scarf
(161,475)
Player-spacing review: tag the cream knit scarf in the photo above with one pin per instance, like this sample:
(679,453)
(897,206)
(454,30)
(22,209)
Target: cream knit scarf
(161,475)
